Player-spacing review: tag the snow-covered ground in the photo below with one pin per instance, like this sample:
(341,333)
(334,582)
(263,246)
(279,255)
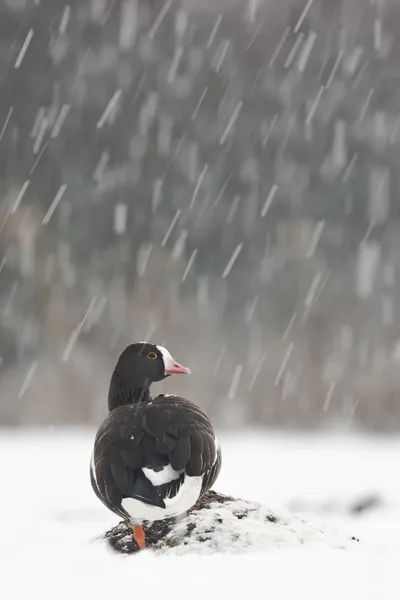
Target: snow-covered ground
(50,520)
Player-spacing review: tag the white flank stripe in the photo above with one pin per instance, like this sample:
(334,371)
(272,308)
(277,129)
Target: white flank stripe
(179,504)
(166,475)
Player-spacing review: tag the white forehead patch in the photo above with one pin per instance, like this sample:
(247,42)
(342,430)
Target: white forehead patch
(164,352)
(167,358)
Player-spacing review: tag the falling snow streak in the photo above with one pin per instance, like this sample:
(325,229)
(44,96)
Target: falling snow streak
(305,53)
(65,20)
(334,69)
(38,120)
(150,330)
(221,192)
(370,227)
(350,168)
(8,117)
(322,287)
(279,47)
(10,302)
(255,83)
(170,228)
(80,70)
(173,159)
(231,122)
(214,31)
(139,88)
(28,379)
(289,128)
(360,75)
(252,9)
(189,265)
(18,199)
(269,200)
(364,107)
(257,31)
(77,331)
(156,194)
(143,258)
(251,309)
(38,158)
(294,50)
(220,55)
(322,70)
(235,382)
(257,372)
(233,210)
(367,268)
(6,216)
(303,16)
(44,122)
(120,218)
(289,326)
(196,110)
(60,120)
(312,291)
(197,188)
(23,50)
(378,35)
(284,364)
(316,236)
(329,395)
(219,360)
(393,136)
(110,109)
(54,204)
(159,19)
(274,120)
(314,105)
(232,260)
(128,24)
(171,75)
(180,245)
(107,12)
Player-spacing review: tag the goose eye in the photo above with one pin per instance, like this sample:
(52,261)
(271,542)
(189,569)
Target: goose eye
(152,355)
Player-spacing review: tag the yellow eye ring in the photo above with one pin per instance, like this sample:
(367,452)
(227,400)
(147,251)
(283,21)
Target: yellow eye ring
(152,355)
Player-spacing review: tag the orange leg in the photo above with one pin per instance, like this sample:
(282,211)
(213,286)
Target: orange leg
(139,536)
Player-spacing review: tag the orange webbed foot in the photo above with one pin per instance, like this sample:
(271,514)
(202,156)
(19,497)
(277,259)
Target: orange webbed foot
(139,536)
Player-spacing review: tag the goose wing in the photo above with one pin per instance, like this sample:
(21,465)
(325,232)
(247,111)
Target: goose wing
(146,451)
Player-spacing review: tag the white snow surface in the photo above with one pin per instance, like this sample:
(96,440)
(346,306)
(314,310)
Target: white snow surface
(255,533)
(51,522)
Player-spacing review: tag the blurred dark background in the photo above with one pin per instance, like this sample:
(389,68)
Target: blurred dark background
(218,177)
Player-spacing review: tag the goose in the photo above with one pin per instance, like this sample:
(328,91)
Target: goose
(153,456)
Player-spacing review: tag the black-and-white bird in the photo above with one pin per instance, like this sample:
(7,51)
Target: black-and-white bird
(153,457)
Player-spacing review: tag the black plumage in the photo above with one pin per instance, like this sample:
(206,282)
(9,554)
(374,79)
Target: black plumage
(160,451)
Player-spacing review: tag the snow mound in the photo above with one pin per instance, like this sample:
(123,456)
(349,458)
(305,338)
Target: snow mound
(219,523)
